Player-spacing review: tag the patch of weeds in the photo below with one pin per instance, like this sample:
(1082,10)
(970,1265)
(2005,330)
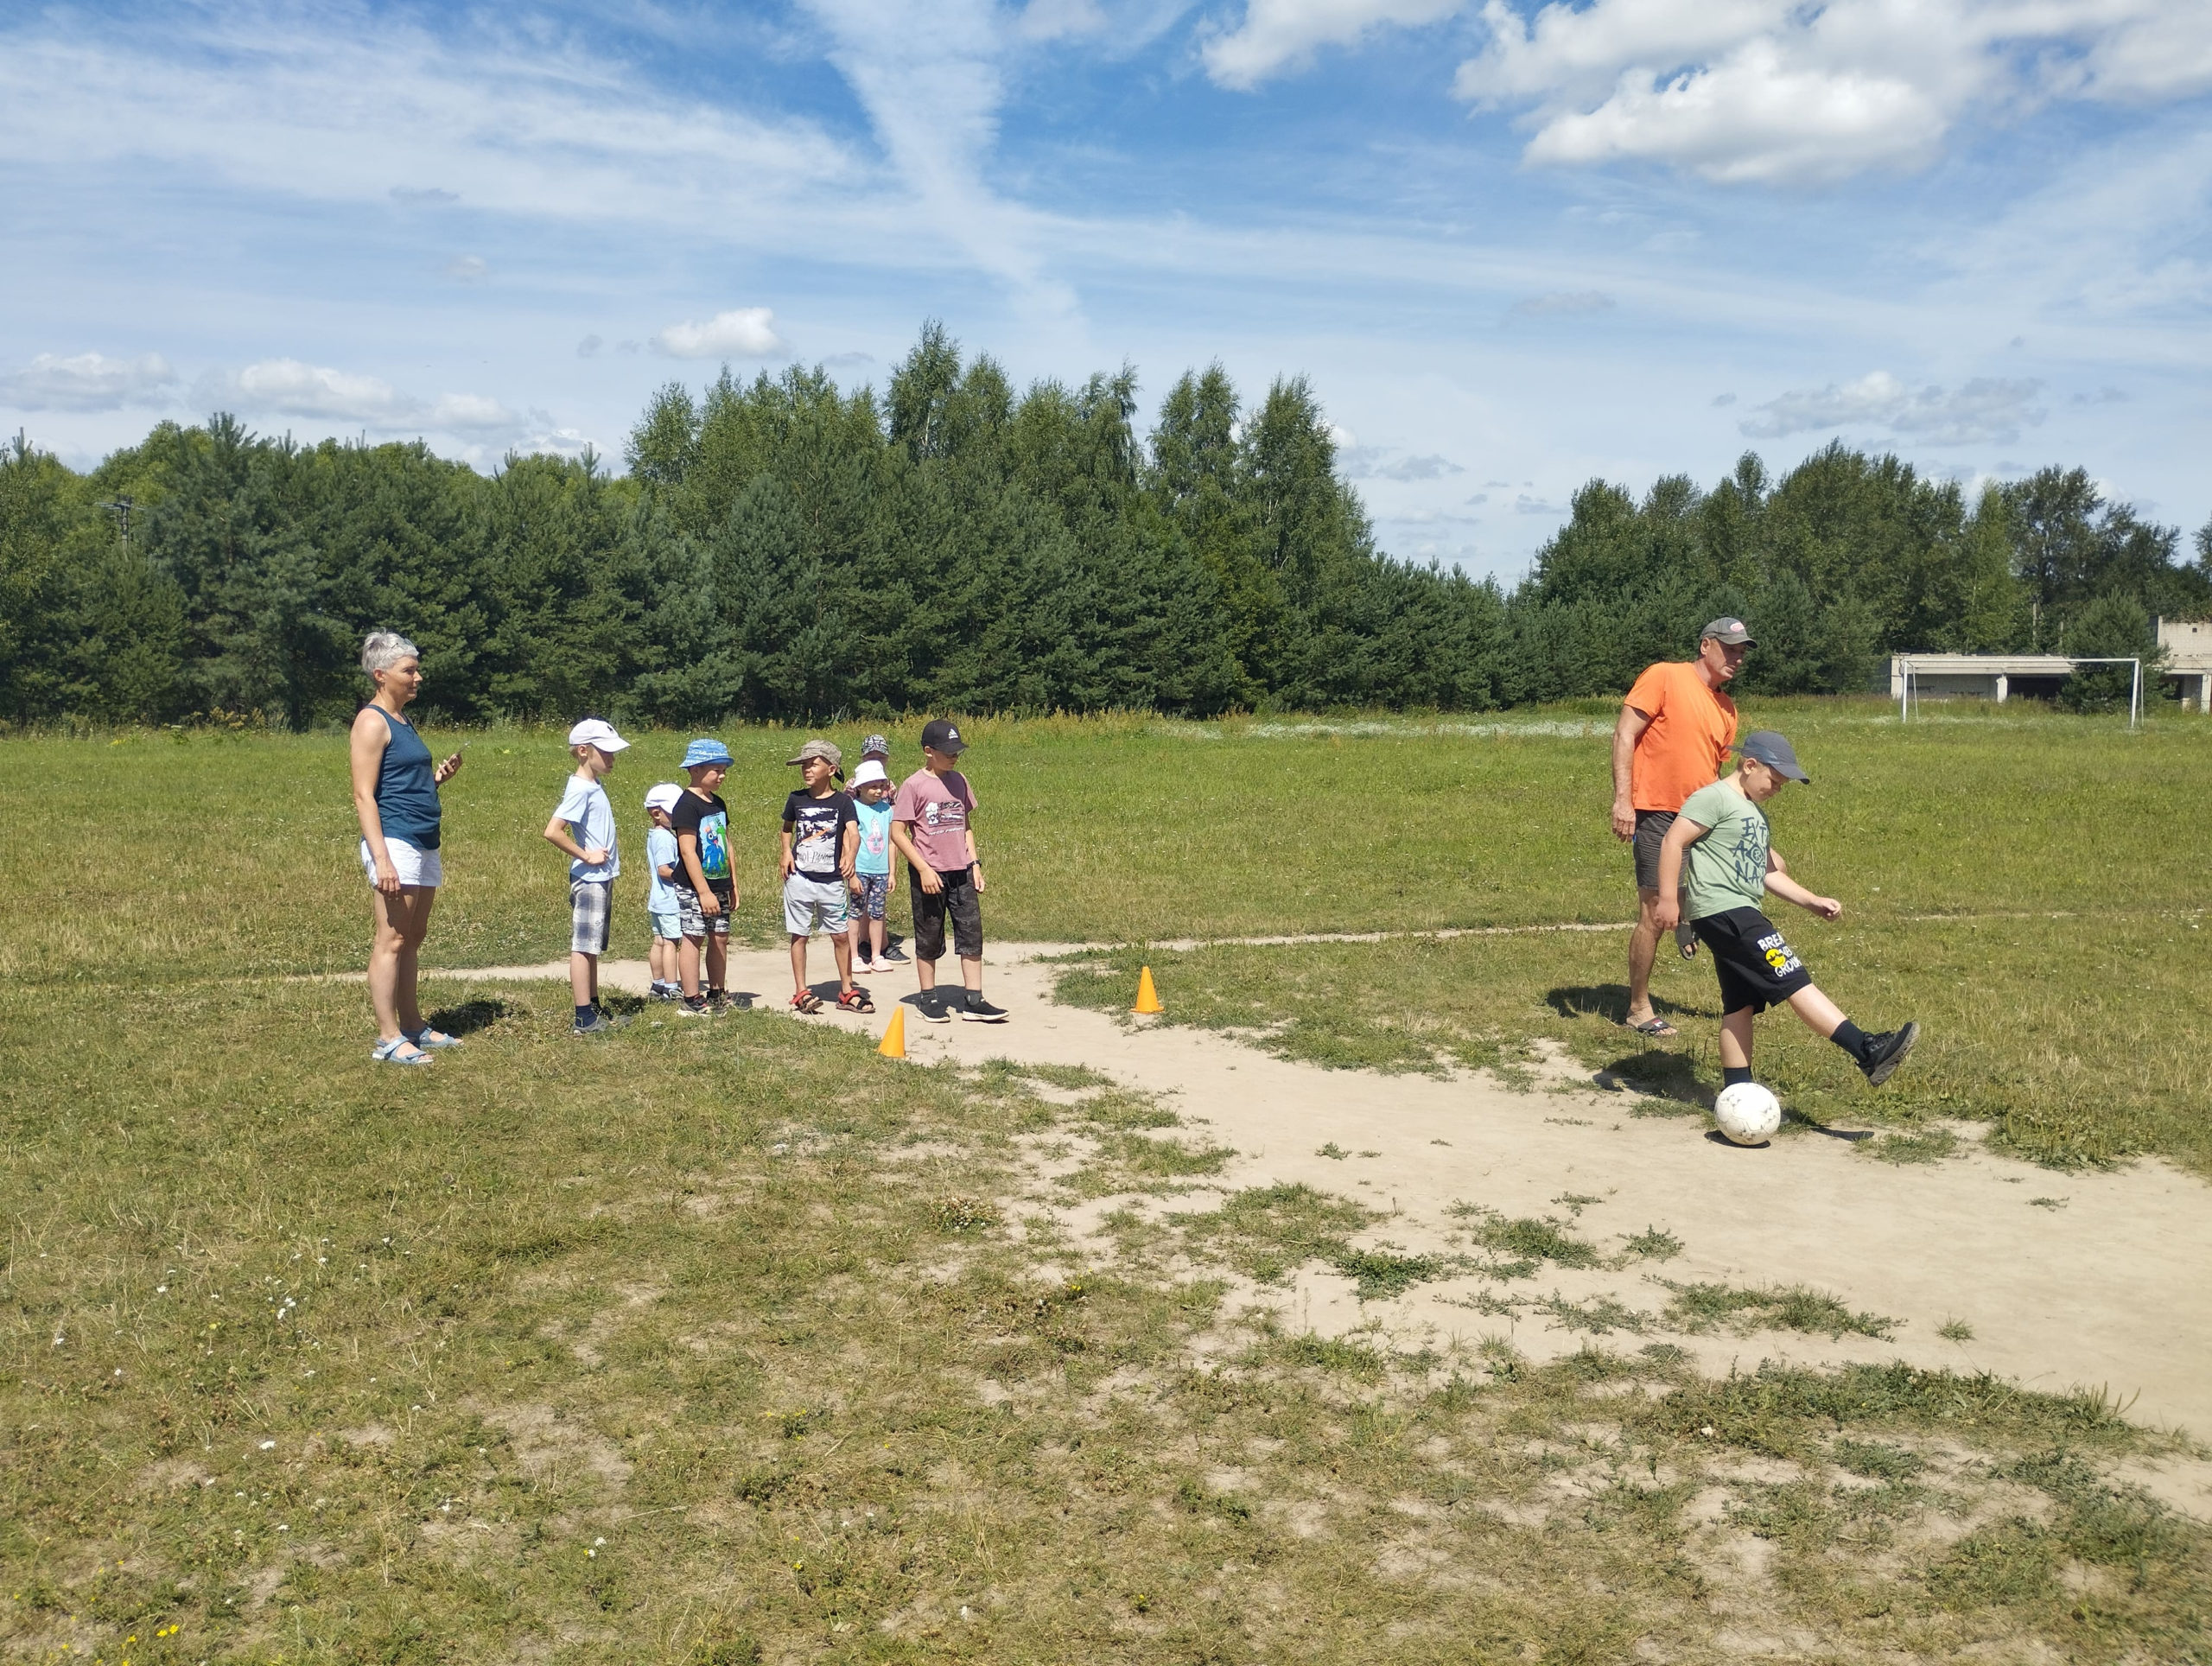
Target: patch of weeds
(2046,1203)
(1382,1275)
(1601,1315)
(1332,1353)
(1575,1202)
(2063,1136)
(1699,1308)
(2011,1563)
(1527,1238)
(1126,1110)
(1194,1498)
(959,1214)
(1266,1232)
(1073,1077)
(1654,1243)
(1334,1151)
(1956,1329)
(1877,1460)
(1929,1146)
(1169,1159)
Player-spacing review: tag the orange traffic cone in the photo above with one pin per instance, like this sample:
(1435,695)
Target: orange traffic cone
(893,1045)
(1148,997)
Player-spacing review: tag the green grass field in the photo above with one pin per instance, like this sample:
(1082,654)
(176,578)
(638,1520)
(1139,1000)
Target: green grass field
(734,1341)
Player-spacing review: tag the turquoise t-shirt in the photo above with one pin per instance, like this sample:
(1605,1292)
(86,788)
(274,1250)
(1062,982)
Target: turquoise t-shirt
(874,855)
(1727,869)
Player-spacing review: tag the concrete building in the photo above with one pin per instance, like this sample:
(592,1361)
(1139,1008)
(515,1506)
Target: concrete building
(2188,643)
(2187,646)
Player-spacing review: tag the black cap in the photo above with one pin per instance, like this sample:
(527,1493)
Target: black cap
(1729,631)
(1777,753)
(940,735)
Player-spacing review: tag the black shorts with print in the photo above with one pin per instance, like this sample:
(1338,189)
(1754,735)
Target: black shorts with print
(957,899)
(1757,966)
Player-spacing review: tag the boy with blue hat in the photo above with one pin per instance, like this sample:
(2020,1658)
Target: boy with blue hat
(705,884)
(1721,834)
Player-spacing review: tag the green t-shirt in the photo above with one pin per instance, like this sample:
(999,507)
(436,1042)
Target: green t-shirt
(1727,869)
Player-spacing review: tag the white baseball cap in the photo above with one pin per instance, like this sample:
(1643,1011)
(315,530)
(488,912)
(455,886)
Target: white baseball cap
(870,769)
(597,732)
(666,796)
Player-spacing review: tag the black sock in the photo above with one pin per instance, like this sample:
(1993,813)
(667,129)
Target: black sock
(584,1014)
(1734,1076)
(1852,1039)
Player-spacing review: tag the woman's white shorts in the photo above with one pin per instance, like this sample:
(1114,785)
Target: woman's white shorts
(415,865)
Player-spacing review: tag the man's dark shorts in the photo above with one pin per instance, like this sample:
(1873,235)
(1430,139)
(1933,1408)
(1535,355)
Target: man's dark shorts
(1651,827)
(958,898)
(1758,967)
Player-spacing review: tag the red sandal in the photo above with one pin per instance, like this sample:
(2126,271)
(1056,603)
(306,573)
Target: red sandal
(854,1001)
(807,1001)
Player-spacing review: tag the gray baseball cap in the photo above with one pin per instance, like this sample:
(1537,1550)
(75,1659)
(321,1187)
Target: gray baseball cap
(819,750)
(1777,753)
(1728,630)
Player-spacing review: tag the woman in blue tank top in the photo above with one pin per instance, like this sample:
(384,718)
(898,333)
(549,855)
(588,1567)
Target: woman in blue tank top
(395,796)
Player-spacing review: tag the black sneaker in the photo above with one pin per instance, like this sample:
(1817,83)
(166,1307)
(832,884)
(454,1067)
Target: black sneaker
(931,1006)
(1885,1052)
(980,1011)
(662,992)
(688,1006)
(894,954)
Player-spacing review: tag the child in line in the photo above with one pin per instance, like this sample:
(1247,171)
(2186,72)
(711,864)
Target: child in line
(1722,834)
(873,881)
(583,827)
(819,840)
(930,827)
(704,883)
(666,956)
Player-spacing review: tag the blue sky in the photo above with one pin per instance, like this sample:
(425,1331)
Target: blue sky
(1512,247)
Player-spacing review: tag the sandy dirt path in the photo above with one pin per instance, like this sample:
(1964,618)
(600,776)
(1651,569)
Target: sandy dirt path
(2110,1287)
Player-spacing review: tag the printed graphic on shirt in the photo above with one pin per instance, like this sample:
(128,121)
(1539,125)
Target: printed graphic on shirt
(714,844)
(1779,955)
(944,815)
(816,825)
(1746,857)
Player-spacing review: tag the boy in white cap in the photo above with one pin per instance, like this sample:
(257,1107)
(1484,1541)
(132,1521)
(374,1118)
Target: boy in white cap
(1717,857)
(583,829)
(873,881)
(663,857)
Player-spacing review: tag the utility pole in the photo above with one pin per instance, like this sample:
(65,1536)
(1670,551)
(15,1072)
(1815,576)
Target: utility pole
(122,507)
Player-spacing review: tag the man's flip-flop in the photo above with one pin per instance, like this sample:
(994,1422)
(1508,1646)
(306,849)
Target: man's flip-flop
(1653,1026)
(1686,941)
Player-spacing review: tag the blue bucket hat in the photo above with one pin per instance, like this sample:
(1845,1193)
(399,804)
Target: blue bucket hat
(704,751)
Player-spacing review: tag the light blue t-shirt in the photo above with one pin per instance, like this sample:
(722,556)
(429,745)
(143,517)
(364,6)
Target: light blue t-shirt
(874,855)
(661,852)
(590,817)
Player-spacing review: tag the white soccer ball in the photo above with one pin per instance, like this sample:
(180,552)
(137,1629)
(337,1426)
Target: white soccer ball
(1747,1114)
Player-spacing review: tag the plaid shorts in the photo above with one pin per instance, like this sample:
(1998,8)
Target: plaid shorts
(695,920)
(590,914)
(875,893)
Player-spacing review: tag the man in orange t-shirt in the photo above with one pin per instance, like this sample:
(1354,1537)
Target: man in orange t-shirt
(1674,732)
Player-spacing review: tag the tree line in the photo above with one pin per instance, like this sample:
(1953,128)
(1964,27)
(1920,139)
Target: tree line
(782,548)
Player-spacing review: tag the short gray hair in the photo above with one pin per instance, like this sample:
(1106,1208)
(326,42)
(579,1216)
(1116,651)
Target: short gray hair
(385,649)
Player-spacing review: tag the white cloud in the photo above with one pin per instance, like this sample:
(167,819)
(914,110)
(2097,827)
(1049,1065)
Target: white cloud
(1525,504)
(87,381)
(742,333)
(461,413)
(1563,303)
(1280,35)
(1775,91)
(297,389)
(1356,461)
(588,345)
(1985,408)
(466,269)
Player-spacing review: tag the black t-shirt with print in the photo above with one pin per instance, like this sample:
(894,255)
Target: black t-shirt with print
(708,821)
(818,827)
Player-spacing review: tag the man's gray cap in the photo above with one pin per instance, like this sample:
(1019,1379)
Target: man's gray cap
(1777,753)
(819,750)
(1729,631)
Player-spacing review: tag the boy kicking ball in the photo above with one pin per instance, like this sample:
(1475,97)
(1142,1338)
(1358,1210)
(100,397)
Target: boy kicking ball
(1722,835)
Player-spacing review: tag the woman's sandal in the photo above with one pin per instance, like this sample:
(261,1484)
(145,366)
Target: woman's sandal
(431,1039)
(390,1053)
(807,1001)
(854,1001)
